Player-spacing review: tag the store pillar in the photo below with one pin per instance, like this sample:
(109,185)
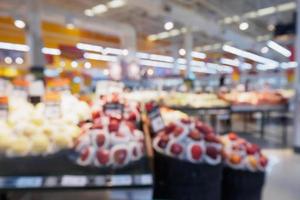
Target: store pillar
(34,38)
(297,87)
(188,44)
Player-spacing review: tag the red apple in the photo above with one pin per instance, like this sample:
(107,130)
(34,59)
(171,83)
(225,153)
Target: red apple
(85,154)
(120,156)
(95,114)
(235,159)
(97,123)
(263,161)
(178,131)
(100,140)
(203,128)
(196,151)
(113,125)
(212,152)
(149,106)
(195,135)
(186,120)
(132,117)
(232,136)
(176,148)
(212,138)
(251,149)
(163,141)
(102,156)
(170,128)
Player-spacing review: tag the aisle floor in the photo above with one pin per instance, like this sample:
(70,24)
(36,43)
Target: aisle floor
(283,182)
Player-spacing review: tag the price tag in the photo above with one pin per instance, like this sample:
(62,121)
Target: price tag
(144,179)
(117,180)
(51,181)
(3,107)
(113,109)
(74,181)
(52,105)
(29,182)
(156,120)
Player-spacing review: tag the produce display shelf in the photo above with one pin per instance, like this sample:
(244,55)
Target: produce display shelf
(55,172)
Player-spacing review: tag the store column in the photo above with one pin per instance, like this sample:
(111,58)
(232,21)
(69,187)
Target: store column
(188,45)
(297,87)
(34,38)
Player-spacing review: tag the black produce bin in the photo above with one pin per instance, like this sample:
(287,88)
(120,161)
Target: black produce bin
(242,185)
(181,180)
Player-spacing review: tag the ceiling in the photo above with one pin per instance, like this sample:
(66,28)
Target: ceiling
(147,21)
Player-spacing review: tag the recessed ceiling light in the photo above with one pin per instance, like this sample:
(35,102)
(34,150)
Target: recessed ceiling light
(19,60)
(74,64)
(182,52)
(264,50)
(244,26)
(87,65)
(169,25)
(8,60)
(70,26)
(19,23)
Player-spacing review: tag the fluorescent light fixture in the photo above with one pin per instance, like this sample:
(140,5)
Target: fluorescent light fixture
(19,23)
(8,60)
(174,32)
(89,12)
(13,46)
(87,65)
(280,49)
(156,64)
(231,62)
(250,15)
(89,47)
(150,72)
(74,64)
(182,52)
(248,55)
(105,72)
(19,60)
(115,51)
(246,66)
(152,37)
(163,35)
(199,55)
(264,67)
(288,65)
(99,9)
(243,26)
(70,26)
(142,55)
(51,51)
(169,25)
(161,58)
(197,63)
(264,50)
(181,61)
(116,3)
(266,11)
(94,56)
(287,6)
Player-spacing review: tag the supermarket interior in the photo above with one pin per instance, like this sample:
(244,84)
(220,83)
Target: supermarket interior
(149,99)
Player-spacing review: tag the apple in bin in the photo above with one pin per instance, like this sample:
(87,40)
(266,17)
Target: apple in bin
(178,131)
(203,128)
(196,151)
(97,123)
(235,159)
(132,117)
(170,128)
(95,114)
(120,156)
(212,138)
(232,136)
(100,139)
(252,149)
(163,141)
(212,152)
(102,156)
(113,125)
(176,149)
(149,106)
(263,161)
(85,154)
(195,135)
(186,120)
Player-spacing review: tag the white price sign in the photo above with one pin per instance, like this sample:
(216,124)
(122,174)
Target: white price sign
(121,180)
(74,181)
(29,182)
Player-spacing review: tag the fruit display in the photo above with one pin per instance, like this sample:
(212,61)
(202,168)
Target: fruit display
(244,171)
(243,155)
(110,139)
(27,131)
(190,140)
(176,99)
(254,98)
